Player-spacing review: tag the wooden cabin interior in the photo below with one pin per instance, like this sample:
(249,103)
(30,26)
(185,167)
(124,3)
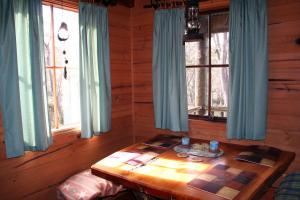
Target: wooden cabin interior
(37,174)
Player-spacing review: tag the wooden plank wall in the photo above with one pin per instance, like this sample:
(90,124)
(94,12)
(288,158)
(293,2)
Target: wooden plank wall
(35,175)
(284,74)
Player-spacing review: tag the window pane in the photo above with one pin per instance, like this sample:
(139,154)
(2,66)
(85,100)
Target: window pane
(196,53)
(68,96)
(219,38)
(72,44)
(197,91)
(47,36)
(49,78)
(219,91)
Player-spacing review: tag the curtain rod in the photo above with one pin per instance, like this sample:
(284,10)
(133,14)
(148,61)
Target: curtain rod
(165,4)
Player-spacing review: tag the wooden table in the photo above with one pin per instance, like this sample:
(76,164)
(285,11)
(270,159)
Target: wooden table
(168,175)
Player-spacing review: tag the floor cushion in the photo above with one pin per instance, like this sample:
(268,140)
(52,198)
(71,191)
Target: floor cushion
(85,185)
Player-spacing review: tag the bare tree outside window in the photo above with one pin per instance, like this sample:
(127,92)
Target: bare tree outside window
(207,69)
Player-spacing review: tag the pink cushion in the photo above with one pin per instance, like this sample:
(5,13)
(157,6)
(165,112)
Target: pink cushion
(85,185)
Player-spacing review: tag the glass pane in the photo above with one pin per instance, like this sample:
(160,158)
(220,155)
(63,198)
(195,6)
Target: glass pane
(197,91)
(68,97)
(59,93)
(50,94)
(71,45)
(219,38)
(196,52)
(219,91)
(48,45)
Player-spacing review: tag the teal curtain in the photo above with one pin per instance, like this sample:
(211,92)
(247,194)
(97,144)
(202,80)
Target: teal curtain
(9,87)
(248,70)
(23,92)
(95,86)
(169,73)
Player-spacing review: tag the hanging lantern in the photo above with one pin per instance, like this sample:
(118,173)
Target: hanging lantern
(192,21)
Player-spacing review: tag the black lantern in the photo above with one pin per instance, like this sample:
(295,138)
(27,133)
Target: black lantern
(192,21)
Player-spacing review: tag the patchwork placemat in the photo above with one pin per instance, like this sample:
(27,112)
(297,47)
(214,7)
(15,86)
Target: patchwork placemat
(223,180)
(260,155)
(140,155)
(163,141)
(144,148)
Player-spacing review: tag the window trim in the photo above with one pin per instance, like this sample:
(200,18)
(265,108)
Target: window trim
(209,67)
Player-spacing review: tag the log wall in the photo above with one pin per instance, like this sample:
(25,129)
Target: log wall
(284,78)
(35,175)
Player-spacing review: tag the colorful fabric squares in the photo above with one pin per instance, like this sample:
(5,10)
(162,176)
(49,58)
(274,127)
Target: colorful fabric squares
(248,174)
(141,147)
(242,179)
(147,149)
(157,143)
(273,152)
(246,153)
(212,188)
(267,162)
(223,180)
(198,183)
(222,167)
(228,193)
(252,158)
(262,155)
(220,181)
(217,172)
(235,185)
(206,177)
(163,141)
(234,170)
(142,159)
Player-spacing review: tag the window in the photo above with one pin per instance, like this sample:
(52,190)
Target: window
(207,69)
(62,88)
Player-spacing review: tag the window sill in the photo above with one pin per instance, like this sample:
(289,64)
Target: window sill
(208,119)
(64,130)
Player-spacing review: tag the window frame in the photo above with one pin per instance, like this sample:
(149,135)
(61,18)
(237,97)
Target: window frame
(57,128)
(209,66)
(66,5)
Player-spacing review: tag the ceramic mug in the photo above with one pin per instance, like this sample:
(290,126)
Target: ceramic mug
(185,140)
(213,145)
